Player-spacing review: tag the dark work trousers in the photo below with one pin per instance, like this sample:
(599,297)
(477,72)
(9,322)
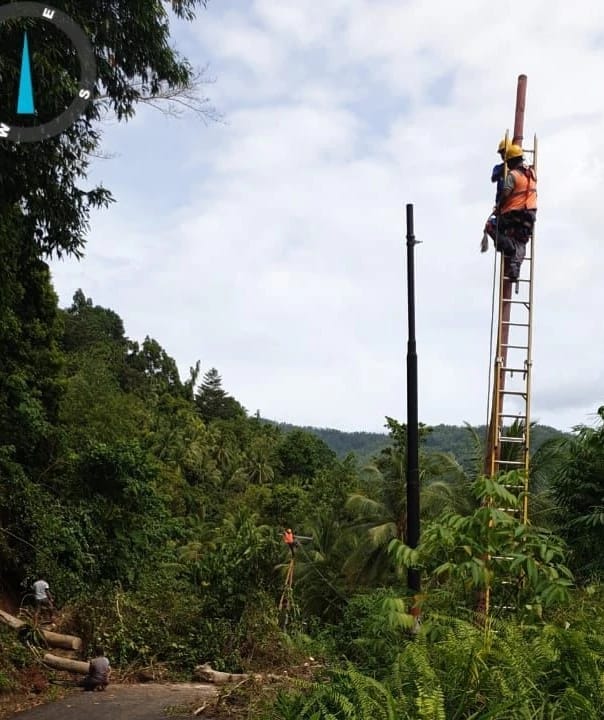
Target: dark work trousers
(514,231)
(514,252)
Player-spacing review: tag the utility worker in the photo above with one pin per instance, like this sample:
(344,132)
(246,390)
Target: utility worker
(290,540)
(517,211)
(497,176)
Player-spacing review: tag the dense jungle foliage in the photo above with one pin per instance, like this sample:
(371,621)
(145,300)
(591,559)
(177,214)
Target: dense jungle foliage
(154,504)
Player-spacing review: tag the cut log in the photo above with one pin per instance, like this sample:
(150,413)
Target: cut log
(11,620)
(58,640)
(61,663)
(67,642)
(206,673)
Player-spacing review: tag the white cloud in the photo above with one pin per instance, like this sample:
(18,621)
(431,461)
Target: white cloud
(273,247)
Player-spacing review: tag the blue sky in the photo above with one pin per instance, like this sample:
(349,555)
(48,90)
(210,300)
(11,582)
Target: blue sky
(272,245)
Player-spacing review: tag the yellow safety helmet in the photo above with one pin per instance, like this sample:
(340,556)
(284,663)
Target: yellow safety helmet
(503,145)
(513,151)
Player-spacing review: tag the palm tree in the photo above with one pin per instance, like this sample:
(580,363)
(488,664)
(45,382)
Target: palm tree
(259,467)
(576,485)
(320,580)
(380,510)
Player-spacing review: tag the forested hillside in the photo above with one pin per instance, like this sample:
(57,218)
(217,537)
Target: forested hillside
(154,505)
(119,478)
(454,439)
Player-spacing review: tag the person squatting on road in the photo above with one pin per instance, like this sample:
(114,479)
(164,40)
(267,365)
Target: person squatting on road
(98,672)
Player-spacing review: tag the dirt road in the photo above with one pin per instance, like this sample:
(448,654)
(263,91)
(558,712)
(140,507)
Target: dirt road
(150,701)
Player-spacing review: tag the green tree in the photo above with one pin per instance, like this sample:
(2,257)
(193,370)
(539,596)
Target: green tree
(243,564)
(44,181)
(87,325)
(130,522)
(30,329)
(321,581)
(379,509)
(45,205)
(213,402)
(577,486)
(302,454)
(491,548)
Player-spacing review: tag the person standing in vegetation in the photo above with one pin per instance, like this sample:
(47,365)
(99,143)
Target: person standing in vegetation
(42,596)
(290,540)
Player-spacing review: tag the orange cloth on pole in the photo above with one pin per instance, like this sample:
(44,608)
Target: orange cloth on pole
(288,537)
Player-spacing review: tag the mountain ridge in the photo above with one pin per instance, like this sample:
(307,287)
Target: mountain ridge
(455,439)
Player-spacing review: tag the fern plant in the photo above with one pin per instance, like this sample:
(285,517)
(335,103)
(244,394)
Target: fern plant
(345,694)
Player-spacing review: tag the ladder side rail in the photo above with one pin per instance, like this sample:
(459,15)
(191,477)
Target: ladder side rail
(498,376)
(501,353)
(529,360)
(503,313)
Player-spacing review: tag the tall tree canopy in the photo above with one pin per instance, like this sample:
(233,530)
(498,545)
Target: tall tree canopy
(213,402)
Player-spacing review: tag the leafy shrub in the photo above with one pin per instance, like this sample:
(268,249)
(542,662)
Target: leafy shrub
(373,630)
(455,669)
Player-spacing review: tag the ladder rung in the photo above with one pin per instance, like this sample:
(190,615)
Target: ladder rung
(503,557)
(516,302)
(515,440)
(513,392)
(509,462)
(513,369)
(509,510)
(517,347)
(513,487)
(516,417)
(507,322)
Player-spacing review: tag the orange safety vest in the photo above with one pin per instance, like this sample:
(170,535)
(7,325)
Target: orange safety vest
(524,194)
(288,537)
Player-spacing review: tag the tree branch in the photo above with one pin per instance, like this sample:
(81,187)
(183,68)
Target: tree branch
(179,100)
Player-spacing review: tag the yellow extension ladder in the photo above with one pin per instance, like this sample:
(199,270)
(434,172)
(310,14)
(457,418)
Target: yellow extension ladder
(509,444)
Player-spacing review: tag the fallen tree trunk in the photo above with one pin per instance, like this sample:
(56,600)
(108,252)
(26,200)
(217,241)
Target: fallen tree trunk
(206,673)
(67,642)
(58,640)
(11,620)
(61,663)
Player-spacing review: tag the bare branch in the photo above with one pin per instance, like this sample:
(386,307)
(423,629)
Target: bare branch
(102,155)
(177,101)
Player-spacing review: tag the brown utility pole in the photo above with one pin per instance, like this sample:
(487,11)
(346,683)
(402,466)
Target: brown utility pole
(502,350)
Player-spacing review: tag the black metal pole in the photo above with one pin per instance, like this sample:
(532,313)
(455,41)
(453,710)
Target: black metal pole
(413,575)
